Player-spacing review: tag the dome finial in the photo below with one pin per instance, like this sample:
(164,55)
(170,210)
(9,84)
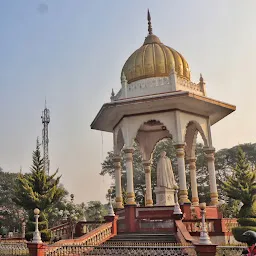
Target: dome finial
(201,78)
(112,93)
(112,97)
(149,24)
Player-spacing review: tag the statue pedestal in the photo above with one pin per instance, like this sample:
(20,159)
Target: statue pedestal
(164,196)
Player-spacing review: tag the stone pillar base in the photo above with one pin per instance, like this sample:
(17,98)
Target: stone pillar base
(130,199)
(195,201)
(149,202)
(119,203)
(205,250)
(183,197)
(36,249)
(214,199)
(164,196)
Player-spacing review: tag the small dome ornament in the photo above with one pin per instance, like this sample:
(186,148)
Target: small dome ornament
(201,78)
(112,93)
(202,206)
(36,211)
(112,97)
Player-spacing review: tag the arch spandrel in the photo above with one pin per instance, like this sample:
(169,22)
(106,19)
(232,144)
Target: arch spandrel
(200,122)
(147,140)
(132,124)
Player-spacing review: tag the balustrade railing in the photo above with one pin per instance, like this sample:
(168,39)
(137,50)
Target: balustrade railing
(228,224)
(14,248)
(63,231)
(196,226)
(190,86)
(231,250)
(89,226)
(82,244)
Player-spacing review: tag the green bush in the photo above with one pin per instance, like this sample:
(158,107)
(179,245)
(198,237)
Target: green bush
(46,235)
(42,225)
(29,236)
(248,211)
(3,231)
(247,222)
(238,232)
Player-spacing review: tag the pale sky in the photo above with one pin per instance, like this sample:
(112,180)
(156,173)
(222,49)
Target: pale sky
(72,52)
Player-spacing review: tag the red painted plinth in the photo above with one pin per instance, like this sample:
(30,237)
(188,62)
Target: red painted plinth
(36,249)
(206,250)
(130,218)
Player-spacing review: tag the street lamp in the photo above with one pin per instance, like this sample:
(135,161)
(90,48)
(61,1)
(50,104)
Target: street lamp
(204,237)
(110,207)
(72,217)
(36,235)
(177,211)
(73,220)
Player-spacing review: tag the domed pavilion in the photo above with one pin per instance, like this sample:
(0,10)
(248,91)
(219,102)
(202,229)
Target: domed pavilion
(158,100)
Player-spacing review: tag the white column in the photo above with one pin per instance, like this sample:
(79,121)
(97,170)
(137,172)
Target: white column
(212,175)
(182,175)
(192,169)
(129,172)
(119,197)
(147,169)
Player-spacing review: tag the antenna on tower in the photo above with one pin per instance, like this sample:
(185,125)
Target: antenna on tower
(45,139)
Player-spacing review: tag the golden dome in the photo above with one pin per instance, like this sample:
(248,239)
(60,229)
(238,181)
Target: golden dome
(154,59)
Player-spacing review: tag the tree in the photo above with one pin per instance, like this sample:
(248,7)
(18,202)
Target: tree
(95,211)
(38,190)
(230,208)
(241,185)
(56,212)
(11,215)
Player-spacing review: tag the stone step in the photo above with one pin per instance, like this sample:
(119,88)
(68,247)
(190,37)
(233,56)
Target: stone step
(143,238)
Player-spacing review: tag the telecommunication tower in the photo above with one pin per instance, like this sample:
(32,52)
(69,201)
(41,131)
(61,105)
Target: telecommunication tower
(45,139)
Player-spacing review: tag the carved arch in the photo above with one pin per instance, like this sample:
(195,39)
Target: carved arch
(147,137)
(192,129)
(134,123)
(118,141)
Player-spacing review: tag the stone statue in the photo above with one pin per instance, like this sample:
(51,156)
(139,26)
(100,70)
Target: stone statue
(165,176)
